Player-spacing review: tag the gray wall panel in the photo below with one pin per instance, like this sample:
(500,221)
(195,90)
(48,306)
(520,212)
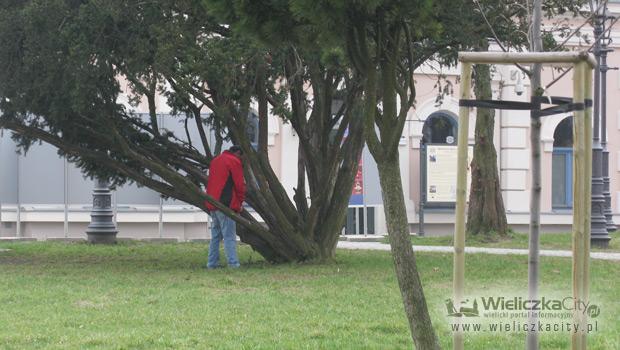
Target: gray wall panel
(41,176)
(42,172)
(80,187)
(176,125)
(8,169)
(132,194)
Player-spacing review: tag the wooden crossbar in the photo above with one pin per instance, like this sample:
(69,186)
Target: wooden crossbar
(549,58)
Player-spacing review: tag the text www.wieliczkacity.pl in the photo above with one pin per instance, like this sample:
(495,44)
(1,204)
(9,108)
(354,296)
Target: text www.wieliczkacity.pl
(515,326)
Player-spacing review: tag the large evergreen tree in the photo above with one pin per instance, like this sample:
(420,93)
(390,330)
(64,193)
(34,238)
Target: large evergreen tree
(63,65)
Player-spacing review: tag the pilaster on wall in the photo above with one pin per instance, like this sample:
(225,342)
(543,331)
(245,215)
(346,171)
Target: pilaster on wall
(288,147)
(514,144)
(404,150)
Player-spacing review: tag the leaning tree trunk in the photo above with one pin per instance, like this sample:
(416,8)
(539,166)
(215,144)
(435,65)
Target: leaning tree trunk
(297,229)
(486,212)
(422,331)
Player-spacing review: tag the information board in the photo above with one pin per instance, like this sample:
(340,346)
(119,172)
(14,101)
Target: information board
(441,173)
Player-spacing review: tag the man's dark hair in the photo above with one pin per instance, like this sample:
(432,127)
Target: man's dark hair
(235,149)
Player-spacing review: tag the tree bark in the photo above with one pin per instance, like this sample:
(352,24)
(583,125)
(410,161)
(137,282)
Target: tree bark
(534,240)
(486,214)
(411,290)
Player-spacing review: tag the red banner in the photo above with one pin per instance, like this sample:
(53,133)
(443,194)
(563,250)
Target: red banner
(358,184)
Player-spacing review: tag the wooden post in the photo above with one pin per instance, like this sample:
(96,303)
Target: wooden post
(589,70)
(586,222)
(578,196)
(582,170)
(461,193)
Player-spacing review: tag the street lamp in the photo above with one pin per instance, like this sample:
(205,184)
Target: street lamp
(102,228)
(599,236)
(605,42)
(599,221)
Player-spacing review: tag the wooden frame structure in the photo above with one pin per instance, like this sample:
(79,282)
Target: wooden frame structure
(583,63)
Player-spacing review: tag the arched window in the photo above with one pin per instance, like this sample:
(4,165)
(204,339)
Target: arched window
(439,128)
(438,148)
(562,166)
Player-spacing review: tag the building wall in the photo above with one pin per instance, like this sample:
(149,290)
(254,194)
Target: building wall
(512,136)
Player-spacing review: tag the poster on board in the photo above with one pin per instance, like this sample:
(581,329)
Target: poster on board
(441,173)
(357,192)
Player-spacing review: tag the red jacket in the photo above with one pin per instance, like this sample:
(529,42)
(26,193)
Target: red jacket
(226,183)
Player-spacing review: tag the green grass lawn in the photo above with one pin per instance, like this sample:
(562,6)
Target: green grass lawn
(158,296)
(556,241)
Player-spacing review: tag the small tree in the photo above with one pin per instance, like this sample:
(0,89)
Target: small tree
(380,44)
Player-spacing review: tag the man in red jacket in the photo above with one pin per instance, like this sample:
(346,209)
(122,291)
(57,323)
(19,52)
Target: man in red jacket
(226,184)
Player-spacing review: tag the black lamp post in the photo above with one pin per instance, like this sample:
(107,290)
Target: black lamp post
(102,228)
(601,198)
(599,236)
(605,41)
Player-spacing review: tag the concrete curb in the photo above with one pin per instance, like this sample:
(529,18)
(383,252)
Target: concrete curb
(159,240)
(476,250)
(17,239)
(118,239)
(362,238)
(66,239)
(199,240)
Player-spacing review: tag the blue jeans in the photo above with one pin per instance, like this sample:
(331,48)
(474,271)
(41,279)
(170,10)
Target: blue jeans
(222,227)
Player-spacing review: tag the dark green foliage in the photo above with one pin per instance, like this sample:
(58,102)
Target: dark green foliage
(65,64)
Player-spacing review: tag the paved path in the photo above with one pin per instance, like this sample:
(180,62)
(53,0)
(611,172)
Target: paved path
(498,251)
